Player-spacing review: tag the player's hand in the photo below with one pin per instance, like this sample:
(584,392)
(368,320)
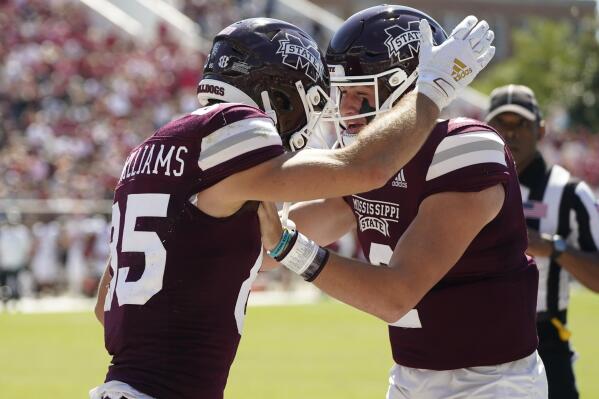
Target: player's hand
(539,244)
(446,69)
(270,224)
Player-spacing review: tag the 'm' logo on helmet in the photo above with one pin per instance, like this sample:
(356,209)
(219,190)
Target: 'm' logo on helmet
(399,38)
(298,56)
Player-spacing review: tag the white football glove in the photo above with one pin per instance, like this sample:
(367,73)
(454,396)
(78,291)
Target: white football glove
(445,70)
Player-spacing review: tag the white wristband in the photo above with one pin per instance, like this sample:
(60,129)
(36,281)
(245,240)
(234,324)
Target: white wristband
(301,255)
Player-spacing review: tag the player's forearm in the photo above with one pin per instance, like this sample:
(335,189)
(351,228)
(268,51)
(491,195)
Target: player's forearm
(392,139)
(303,176)
(584,266)
(390,292)
(382,149)
(377,290)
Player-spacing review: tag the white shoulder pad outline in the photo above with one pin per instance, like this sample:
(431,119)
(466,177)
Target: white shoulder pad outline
(462,150)
(236,139)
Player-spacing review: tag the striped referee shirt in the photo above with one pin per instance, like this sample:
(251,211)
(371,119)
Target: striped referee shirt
(556,203)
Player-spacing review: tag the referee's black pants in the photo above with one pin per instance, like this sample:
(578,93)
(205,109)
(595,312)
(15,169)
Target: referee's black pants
(557,358)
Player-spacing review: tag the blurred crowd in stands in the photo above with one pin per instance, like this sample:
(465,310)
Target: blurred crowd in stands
(51,254)
(74,100)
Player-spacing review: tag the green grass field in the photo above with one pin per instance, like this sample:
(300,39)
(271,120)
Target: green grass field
(314,351)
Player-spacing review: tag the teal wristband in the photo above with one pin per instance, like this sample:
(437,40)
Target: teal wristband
(283,243)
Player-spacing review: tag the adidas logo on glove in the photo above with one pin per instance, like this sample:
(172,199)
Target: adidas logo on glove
(460,70)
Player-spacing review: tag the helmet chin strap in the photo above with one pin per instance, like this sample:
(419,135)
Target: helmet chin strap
(267,107)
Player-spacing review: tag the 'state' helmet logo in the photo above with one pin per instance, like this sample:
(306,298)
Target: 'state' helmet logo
(298,55)
(398,38)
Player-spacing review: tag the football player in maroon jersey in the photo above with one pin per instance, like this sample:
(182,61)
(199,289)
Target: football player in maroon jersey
(186,242)
(456,287)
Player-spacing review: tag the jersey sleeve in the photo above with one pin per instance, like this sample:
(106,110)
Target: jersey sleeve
(586,221)
(247,139)
(468,162)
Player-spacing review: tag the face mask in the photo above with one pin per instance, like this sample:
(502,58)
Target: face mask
(397,78)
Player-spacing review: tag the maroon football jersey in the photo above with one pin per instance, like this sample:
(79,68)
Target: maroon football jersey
(180,278)
(483,310)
